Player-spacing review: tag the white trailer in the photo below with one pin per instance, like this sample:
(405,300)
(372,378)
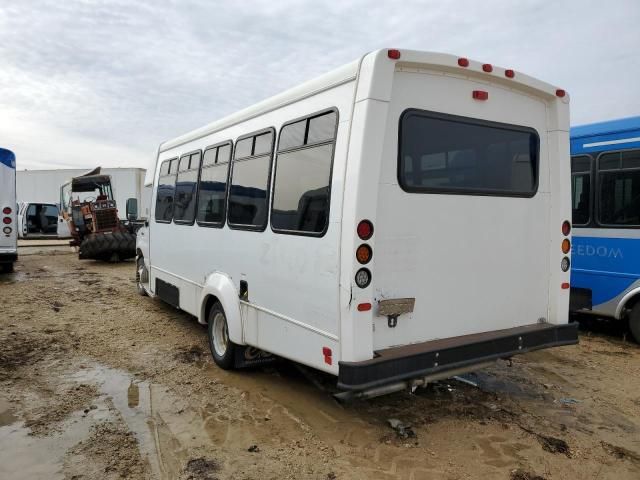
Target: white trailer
(43,186)
(8,207)
(397,220)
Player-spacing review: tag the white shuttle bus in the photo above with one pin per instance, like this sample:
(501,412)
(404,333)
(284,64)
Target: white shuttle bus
(8,211)
(401,219)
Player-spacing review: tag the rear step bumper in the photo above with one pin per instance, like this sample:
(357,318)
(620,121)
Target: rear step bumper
(449,354)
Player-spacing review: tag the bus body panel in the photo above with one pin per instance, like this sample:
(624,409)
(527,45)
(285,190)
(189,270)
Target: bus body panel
(490,253)
(292,279)
(605,258)
(8,231)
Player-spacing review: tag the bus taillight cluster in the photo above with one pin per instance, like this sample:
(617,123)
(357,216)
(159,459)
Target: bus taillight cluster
(566,245)
(364,253)
(7,220)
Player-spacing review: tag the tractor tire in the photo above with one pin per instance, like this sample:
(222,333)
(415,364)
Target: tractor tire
(108,247)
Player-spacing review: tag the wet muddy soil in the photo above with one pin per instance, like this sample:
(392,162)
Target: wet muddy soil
(97,382)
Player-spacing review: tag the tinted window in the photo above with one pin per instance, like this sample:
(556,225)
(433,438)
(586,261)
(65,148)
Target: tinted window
(263,144)
(184,209)
(303,176)
(581,189)
(292,135)
(446,153)
(248,197)
(166,186)
(619,199)
(581,198)
(244,147)
(213,185)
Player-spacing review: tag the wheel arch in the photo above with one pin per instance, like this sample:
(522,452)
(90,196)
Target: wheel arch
(219,287)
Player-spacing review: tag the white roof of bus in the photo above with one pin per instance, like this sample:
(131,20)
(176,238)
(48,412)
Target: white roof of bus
(349,72)
(336,77)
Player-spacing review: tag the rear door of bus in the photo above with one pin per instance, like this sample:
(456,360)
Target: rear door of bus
(463,208)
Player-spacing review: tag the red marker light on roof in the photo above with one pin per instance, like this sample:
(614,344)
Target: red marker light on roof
(509,73)
(463,62)
(480,95)
(487,67)
(393,54)
(560,93)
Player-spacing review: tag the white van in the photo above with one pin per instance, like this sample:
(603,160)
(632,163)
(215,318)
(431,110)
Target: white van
(400,219)
(8,233)
(38,220)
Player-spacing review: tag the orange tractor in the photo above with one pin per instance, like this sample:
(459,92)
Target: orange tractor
(89,209)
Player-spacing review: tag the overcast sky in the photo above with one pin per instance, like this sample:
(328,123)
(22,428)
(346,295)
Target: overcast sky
(86,83)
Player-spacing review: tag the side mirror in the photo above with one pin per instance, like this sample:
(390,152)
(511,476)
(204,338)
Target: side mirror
(132,209)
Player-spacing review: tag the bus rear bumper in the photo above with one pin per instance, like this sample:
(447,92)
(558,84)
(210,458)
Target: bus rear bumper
(438,357)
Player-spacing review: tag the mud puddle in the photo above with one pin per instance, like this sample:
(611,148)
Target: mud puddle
(24,456)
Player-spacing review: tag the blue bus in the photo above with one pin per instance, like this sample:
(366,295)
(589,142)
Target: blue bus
(605,190)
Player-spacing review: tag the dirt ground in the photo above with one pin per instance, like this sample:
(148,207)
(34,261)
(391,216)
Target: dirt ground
(97,382)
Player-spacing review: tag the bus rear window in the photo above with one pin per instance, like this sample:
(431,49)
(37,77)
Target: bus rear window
(441,153)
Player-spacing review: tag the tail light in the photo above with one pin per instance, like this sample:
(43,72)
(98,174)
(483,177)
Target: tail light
(566,228)
(6,210)
(7,230)
(566,245)
(364,307)
(365,230)
(364,253)
(565,264)
(363,278)
(6,220)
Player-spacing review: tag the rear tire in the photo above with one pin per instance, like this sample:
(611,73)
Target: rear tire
(222,348)
(6,268)
(634,321)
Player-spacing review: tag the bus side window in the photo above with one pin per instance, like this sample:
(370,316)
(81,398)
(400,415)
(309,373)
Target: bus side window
(619,188)
(213,185)
(302,175)
(249,184)
(581,189)
(184,209)
(166,186)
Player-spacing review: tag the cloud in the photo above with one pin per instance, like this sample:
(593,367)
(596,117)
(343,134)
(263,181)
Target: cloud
(104,82)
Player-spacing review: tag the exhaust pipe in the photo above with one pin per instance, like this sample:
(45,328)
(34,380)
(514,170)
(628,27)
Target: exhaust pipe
(410,384)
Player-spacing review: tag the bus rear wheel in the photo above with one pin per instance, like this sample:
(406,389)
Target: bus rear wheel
(222,348)
(634,321)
